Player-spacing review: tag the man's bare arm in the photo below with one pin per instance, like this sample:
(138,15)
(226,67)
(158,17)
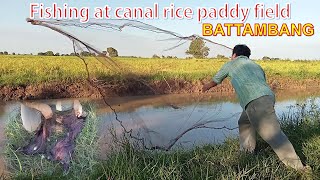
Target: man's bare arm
(208,86)
(77,107)
(43,108)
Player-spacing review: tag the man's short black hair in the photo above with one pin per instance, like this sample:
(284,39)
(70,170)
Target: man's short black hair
(241,50)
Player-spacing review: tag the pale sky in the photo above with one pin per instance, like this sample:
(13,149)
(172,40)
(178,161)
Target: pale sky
(20,37)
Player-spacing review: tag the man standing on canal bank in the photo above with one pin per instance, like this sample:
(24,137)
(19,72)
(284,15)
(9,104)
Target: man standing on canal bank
(257,100)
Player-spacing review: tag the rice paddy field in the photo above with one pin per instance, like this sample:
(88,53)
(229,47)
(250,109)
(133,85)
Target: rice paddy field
(26,70)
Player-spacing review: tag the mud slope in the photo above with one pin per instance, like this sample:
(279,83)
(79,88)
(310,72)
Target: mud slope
(84,90)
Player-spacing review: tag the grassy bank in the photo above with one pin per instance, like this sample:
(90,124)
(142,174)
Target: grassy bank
(222,161)
(25,70)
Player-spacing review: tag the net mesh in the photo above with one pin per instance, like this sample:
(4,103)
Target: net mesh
(136,38)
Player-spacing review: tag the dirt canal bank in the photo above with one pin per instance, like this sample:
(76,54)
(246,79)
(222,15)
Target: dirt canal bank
(57,90)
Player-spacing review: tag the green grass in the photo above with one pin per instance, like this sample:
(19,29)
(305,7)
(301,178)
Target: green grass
(214,161)
(25,70)
(23,166)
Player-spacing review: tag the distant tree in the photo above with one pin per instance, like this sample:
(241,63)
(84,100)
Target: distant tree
(5,53)
(198,49)
(57,54)
(219,56)
(41,54)
(130,56)
(1,53)
(112,52)
(72,54)
(49,53)
(266,58)
(85,53)
(104,53)
(156,56)
(169,57)
(13,53)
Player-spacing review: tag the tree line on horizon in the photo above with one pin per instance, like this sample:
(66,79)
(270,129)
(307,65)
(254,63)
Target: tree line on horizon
(112,52)
(197,49)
